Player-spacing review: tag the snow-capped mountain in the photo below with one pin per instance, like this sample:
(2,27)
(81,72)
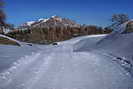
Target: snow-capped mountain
(29,23)
(52,21)
(53,29)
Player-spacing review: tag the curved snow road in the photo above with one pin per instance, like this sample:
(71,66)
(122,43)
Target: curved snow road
(61,68)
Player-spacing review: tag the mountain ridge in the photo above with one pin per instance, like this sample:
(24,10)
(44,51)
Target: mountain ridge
(54,29)
(52,21)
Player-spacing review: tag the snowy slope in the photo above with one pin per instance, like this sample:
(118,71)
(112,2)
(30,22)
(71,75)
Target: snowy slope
(117,46)
(18,42)
(88,42)
(116,43)
(58,67)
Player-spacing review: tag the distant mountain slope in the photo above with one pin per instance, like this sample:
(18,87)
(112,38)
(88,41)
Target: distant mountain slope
(52,21)
(53,29)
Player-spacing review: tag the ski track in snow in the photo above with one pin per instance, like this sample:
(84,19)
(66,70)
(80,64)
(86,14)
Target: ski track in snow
(60,68)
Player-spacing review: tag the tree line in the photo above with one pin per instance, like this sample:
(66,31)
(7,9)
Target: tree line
(56,33)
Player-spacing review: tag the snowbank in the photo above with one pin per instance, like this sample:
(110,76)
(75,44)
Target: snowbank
(88,42)
(11,39)
(116,45)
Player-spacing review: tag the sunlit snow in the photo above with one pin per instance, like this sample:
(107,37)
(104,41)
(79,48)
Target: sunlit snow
(64,66)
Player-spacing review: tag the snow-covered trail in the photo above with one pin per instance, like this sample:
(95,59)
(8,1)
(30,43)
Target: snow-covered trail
(94,66)
(60,68)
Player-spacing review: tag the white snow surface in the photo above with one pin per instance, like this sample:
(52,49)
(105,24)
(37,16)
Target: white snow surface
(61,67)
(88,42)
(116,43)
(30,23)
(43,20)
(58,67)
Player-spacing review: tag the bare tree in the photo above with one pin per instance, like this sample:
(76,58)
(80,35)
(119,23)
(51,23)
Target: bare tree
(118,19)
(2,17)
(2,14)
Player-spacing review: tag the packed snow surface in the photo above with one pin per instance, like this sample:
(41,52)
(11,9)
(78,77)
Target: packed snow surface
(68,65)
(59,67)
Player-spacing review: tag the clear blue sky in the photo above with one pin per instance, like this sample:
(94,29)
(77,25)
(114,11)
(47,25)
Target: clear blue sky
(97,12)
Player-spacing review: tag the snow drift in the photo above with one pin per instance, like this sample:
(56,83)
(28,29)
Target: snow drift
(11,39)
(116,43)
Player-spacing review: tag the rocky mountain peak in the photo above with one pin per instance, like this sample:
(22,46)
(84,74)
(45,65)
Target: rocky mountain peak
(52,21)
